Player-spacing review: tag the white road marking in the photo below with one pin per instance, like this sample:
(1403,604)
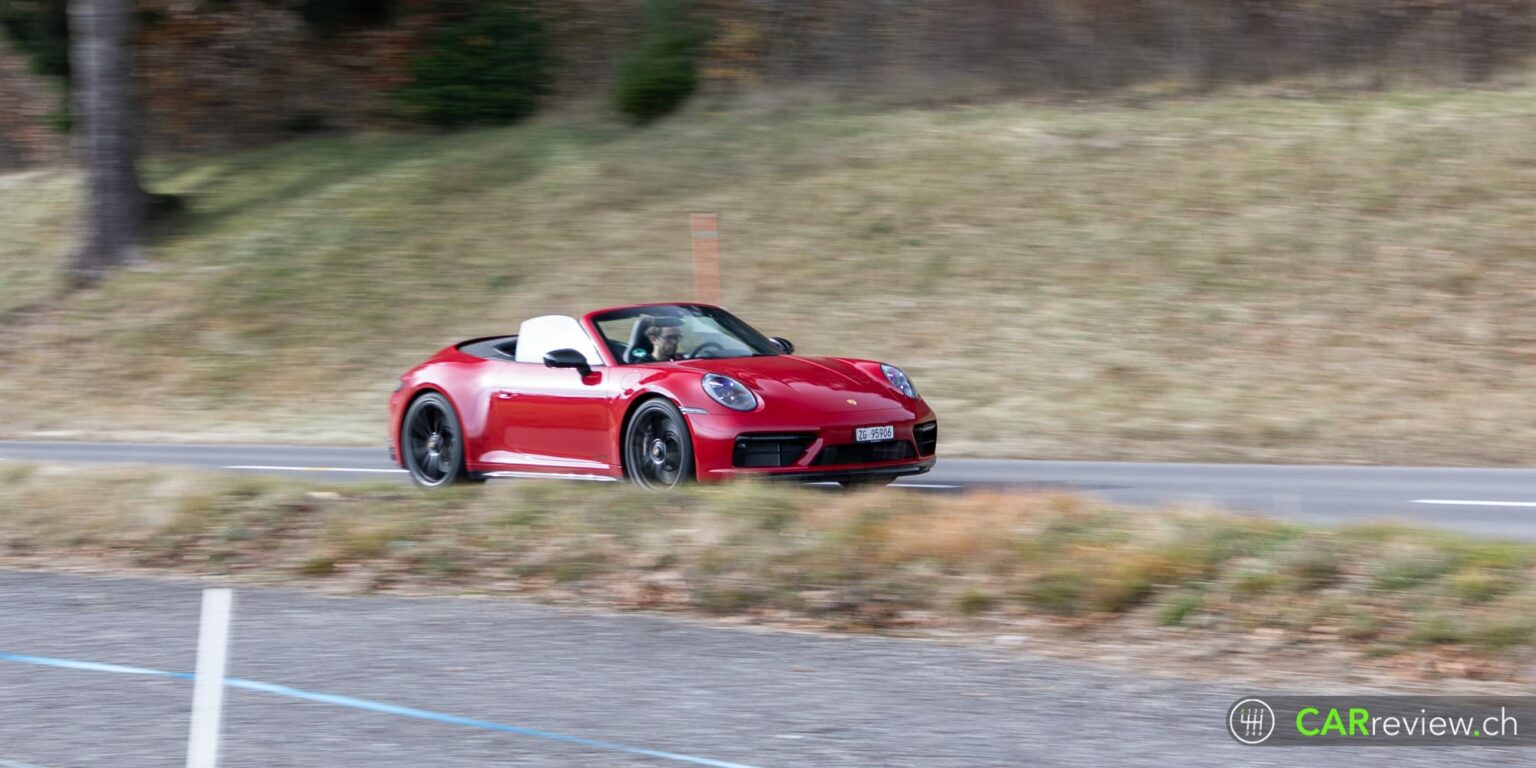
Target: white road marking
(309,469)
(1475,503)
(208,685)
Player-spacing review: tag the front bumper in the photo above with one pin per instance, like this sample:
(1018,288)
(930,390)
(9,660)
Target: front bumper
(826,456)
(396,413)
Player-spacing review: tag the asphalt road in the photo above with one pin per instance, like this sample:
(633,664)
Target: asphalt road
(744,697)
(1497,502)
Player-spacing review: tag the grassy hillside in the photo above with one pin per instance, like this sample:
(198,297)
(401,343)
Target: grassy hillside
(1234,278)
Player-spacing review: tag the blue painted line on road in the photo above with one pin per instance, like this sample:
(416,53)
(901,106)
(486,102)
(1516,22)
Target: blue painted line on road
(369,705)
(89,666)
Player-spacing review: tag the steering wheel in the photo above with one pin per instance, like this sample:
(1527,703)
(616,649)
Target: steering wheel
(697,352)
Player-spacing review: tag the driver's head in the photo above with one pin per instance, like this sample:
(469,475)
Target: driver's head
(665,335)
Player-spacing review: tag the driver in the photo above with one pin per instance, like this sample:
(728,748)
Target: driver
(664,341)
(664,337)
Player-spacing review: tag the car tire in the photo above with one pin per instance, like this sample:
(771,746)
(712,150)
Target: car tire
(658,448)
(432,443)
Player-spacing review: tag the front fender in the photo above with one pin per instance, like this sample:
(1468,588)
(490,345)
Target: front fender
(456,384)
(683,388)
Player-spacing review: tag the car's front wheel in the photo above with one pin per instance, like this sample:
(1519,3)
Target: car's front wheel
(433,443)
(658,448)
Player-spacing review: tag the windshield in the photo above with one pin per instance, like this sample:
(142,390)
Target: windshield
(679,332)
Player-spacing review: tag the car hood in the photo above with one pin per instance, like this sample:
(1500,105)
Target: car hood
(825,384)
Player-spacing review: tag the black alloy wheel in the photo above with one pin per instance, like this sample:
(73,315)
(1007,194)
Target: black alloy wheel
(432,442)
(658,449)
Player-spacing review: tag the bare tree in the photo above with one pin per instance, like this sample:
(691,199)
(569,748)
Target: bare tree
(103,107)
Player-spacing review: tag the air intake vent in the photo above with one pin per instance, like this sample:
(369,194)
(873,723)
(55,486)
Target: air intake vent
(779,450)
(927,436)
(865,453)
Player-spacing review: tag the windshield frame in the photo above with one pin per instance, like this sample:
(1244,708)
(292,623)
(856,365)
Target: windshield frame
(740,330)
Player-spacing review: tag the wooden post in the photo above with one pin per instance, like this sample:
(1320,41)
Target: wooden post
(706,257)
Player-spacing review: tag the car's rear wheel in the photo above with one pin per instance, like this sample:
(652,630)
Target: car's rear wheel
(433,443)
(658,448)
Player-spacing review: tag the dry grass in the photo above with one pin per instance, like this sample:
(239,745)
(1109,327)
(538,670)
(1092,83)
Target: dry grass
(37,217)
(1332,278)
(880,560)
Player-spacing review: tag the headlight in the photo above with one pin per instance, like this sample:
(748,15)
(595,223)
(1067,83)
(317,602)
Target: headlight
(729,392)
(899,380)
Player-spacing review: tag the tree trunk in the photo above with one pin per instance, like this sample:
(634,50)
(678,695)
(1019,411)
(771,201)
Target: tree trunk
(103,81)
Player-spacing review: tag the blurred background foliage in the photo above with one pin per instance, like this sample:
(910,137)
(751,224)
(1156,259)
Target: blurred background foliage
(662,70)
(40,30)
(333,17)
(230,73)
(488,65)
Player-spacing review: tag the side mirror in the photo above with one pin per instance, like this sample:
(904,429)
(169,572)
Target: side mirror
(567,358)
(784,344)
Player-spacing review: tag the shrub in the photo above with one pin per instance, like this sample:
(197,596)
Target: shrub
(40,30)
(1179,607)
(489,67)
(975,602)
(1409,567)
(1481,585)
(1061,592)
(662,70)
(331,17)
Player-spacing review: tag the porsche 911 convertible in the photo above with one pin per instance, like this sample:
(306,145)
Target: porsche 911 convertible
(659,394)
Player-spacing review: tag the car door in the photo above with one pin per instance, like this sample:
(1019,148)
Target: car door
(551,419)
(556,418)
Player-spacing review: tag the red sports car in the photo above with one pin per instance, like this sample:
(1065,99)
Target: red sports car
(660,394)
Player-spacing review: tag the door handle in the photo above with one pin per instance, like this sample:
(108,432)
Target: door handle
(503,394)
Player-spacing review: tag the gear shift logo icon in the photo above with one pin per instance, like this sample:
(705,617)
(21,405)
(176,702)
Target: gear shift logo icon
(1251,721)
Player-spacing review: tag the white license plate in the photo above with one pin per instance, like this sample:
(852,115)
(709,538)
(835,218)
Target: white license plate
(873,434)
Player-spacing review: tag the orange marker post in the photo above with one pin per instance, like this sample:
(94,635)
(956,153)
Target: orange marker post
(706,257)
